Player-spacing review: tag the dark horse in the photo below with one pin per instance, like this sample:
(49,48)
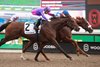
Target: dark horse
(65,34)
(48,33)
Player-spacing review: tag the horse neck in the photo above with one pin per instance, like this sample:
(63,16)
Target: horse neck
(78,21)
(57,24)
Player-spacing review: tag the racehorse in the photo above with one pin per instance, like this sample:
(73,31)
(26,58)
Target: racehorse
(48,33)
(65,34)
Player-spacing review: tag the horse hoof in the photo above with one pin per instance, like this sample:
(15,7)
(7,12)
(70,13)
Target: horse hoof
(48,59)
(87,55)
(36,60)
(24,59)
(78,54)
(71,59)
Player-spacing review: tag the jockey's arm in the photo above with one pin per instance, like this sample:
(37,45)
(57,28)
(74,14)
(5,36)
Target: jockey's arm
(43,16)
(51,14)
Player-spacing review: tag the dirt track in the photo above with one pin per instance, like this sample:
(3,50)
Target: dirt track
(56,60)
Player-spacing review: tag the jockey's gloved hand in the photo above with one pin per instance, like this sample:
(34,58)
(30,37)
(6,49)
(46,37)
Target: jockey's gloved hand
(54,16)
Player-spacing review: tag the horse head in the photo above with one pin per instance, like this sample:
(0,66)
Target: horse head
(71,23)
(84,24)
(66,21)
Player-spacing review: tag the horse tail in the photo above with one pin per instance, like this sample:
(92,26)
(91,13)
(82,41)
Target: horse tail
(2,27)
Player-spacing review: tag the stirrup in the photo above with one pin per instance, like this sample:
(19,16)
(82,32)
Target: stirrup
(36,28)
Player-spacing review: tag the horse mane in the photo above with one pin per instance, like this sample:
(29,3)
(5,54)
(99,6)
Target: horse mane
(79,18)
(60,20)
(57,19)
(53,18)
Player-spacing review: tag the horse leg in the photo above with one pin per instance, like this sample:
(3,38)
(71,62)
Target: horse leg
(25,48)
(7,38)
(45,56)
(57,46)
(55,43)
(78,49)
(43,44)
(39,51)
(3,41)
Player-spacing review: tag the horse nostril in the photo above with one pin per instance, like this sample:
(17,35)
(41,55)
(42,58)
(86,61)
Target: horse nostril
(78,29)
(91,31)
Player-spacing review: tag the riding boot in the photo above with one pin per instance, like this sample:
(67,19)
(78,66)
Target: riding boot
(37,24)
(36,28)
(37,37)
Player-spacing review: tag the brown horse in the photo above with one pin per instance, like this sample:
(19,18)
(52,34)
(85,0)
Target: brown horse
(48,33)
(65,34)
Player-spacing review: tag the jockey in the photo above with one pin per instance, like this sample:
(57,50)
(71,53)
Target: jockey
(40,12)
(63,13)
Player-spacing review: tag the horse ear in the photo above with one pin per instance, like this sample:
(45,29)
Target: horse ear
(77,20)
(77,17)
(82,18)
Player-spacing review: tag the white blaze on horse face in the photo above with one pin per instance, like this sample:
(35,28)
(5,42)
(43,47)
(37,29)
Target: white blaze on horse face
(89,26)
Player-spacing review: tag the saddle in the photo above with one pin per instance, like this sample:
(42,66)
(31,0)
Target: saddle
(30,29)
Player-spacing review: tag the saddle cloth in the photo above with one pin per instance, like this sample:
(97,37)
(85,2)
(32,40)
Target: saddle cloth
(29,28)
